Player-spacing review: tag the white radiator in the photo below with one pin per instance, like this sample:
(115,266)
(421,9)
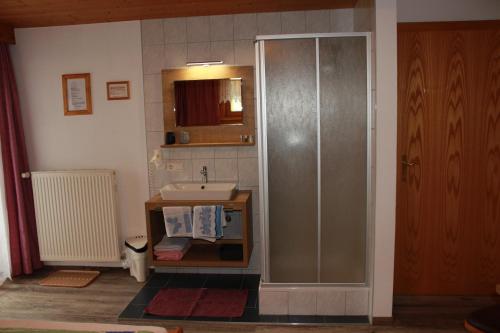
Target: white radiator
(76,215)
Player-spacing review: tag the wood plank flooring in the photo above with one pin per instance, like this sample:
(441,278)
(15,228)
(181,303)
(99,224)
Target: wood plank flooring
(103,301)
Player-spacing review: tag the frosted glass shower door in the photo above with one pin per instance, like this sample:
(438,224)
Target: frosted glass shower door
(343,118)
(290,88)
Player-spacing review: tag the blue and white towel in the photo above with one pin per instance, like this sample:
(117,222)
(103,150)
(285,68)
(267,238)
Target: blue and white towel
(220,221)
(208,222)
(178,221)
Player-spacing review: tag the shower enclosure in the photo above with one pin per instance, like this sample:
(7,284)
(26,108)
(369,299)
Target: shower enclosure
(314,153)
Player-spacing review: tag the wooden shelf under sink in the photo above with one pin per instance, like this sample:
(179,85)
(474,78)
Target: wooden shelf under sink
(202,253)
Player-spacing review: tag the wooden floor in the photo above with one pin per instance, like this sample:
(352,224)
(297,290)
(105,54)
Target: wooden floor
(103,301)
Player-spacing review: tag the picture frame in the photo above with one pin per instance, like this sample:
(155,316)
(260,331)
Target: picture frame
(118,90)
(77,98)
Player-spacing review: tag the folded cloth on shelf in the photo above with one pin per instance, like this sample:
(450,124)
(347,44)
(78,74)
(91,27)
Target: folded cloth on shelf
(172,244)
(171,248)
(174,255)
(178,221)
(208,222)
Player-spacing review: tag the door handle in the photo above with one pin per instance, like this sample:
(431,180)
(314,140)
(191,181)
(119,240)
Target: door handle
(405,165)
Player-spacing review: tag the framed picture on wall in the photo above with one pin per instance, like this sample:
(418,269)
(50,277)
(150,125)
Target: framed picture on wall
(76,94)
(118,90)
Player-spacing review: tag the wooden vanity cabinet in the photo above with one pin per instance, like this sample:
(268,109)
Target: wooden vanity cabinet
(202,253)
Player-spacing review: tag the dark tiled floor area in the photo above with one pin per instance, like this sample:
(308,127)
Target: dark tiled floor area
(135,310)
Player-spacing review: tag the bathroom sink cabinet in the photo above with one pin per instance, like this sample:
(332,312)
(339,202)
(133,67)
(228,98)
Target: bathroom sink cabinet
(203,253)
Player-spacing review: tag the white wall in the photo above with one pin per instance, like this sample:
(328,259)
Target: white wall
(386,137)
(113,137)
(447,10)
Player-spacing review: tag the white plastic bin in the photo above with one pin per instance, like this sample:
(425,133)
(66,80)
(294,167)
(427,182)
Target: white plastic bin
(137,257)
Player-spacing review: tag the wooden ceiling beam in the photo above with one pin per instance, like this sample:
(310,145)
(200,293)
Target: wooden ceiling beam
(7,34)
(38,13)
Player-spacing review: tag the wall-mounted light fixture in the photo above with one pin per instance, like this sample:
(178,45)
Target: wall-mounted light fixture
(205,63)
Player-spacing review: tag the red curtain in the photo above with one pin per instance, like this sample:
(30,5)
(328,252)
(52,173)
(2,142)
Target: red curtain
(197,103)
(24,253)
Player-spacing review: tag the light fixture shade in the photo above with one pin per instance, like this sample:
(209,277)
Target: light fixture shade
(205,63)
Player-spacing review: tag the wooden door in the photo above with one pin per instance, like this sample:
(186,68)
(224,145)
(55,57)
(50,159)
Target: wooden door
(448,188)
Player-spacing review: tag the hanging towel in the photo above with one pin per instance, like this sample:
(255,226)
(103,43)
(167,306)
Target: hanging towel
(178,221)
(220,221)
(208,222)
(204,218)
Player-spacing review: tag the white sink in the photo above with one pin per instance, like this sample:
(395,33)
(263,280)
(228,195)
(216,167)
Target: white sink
(198,191)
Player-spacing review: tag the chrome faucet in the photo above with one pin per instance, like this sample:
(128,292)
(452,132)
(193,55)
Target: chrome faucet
(204,175)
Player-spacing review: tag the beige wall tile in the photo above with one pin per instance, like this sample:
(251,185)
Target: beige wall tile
(342,20)
(152,59)
(330,302)
(226,170)
(151,32)
(293,22)
(221,27)
(222,50)
(198,29)
(244,52)
(302,302)
(245,26)
(175,30)
(318,21)
(175,55)
(273,302)
(356,302)
(268,23)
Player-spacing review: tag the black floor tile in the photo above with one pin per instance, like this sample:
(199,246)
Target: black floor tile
(305,319)
(132,311)
(272,319)
(346,319)
(187,281)
(251,281)
(153,317)
(251,315)
(145,296)
(229,281)
(224,319)
(158,280)
(252,300)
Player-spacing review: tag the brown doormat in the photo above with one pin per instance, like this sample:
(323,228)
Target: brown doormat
(70,278)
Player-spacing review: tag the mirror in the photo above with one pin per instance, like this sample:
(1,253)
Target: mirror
(208,102)
(226,131)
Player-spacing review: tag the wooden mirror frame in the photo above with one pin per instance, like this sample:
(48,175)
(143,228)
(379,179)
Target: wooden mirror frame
(220,135)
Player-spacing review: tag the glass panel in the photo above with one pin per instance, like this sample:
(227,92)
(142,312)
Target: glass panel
(343,114)
(292,159)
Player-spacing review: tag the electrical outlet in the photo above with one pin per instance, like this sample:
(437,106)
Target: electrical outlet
(175,166)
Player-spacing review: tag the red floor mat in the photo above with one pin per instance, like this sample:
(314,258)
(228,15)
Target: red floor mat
(180,302)
(221,303)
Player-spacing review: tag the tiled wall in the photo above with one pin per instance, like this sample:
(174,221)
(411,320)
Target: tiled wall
(169,43)
(326,301)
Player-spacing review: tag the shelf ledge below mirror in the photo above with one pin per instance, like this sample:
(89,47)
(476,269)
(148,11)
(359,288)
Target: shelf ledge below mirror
(208,144)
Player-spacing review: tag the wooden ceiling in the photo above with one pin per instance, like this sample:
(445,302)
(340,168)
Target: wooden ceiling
(42,13)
